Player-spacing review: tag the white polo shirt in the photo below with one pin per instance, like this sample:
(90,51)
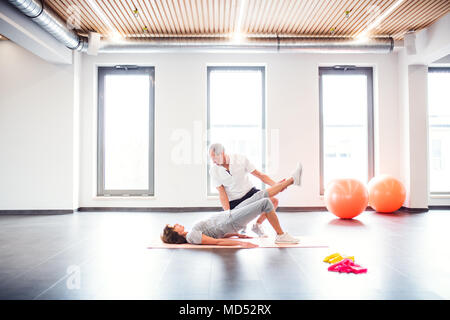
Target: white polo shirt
(236,182)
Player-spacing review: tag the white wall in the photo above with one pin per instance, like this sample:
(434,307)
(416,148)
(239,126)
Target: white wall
(292,108)
(36,123)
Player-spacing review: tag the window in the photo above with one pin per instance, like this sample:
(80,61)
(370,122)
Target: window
(439,129)
(346,124)
(125,131)
(236,117)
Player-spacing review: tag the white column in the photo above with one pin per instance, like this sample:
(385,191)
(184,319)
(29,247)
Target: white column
(413,85)
(418,132)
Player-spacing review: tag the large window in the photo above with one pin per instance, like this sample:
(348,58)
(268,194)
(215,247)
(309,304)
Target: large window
(346,124)
(125,131)
(236,117)
(439,129)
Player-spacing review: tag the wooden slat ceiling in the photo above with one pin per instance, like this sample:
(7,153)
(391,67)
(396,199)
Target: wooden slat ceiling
(340,18)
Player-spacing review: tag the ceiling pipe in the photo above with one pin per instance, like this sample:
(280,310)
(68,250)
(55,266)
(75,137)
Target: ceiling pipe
(258,44)
(50,22)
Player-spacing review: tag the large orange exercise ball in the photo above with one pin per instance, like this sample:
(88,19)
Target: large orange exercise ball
(386,193)
(346,198)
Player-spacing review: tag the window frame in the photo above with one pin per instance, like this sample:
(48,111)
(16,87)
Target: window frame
(435,193)
(212,68)
(348,70)
(102,71)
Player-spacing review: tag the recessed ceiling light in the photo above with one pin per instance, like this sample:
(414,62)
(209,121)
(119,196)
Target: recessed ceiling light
(115,37)
(237,37)
(361,38)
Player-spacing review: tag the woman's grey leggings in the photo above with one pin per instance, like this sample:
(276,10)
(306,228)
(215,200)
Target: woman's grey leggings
(249,209)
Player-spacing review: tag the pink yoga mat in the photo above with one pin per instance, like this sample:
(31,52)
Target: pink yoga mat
(305,242)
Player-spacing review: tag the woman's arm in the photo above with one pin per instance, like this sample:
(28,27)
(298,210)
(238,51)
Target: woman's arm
(227,242)
(242,236)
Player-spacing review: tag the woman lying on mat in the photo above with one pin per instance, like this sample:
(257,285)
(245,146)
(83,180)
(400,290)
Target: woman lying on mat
(218,228)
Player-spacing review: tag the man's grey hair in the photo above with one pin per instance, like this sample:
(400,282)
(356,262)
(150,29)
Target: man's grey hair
(218,148)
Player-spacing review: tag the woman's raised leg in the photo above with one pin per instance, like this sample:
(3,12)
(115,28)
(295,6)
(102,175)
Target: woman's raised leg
(279,187)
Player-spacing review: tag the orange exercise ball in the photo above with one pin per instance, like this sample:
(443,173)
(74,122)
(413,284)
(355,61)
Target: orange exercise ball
(386,193)
(346,198)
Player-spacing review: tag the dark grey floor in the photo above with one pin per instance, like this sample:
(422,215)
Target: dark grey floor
(104,256)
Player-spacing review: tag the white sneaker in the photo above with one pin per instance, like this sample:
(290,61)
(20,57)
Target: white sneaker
(286,238)
(258,229)
(297,175)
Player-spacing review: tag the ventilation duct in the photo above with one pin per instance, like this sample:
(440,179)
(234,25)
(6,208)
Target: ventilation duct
(50,22)
(255,44)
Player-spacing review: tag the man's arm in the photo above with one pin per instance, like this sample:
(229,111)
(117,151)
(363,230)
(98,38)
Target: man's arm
(263,177)
(223,198)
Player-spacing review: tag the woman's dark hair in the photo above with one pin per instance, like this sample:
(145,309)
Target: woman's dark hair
(171,236)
